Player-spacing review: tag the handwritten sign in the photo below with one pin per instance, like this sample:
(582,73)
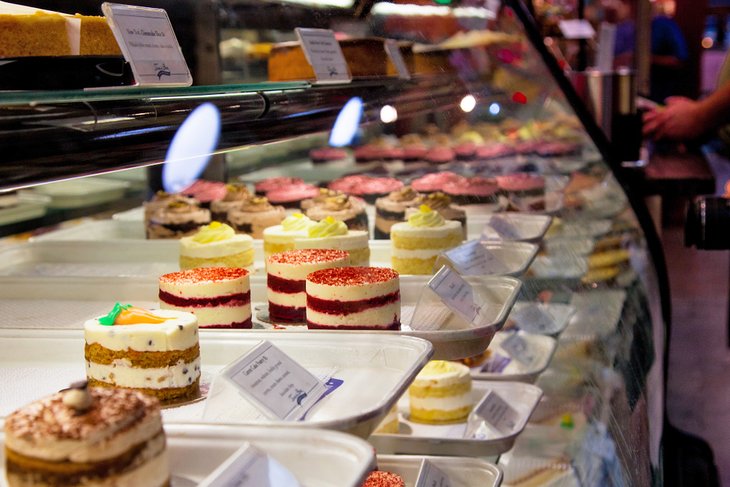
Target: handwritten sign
(250,467)
(495,411)
(324,54)
(275,382)
(473,258)
(455,292)
(148,43)
(429,475)
(393,52)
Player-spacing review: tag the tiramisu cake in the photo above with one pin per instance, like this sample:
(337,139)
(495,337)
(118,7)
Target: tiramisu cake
(218,297)
(155,352)
(216,245)
(441,393)
(353,298)
(286,280)
(87,437)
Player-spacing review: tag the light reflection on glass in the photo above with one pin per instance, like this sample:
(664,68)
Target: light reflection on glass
(388,114)
(468,103)
(347,123)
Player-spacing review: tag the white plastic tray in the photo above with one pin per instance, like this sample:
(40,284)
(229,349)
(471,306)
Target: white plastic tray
(541,348)
(524,227)
(563,266)
(557,317)
(569,245)
(331,458)
(461,471)
(376,369)
(597,314)
(65,303)
(425,439)
(77,193)
(27,206)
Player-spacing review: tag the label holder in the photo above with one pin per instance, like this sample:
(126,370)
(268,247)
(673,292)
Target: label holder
(324,55)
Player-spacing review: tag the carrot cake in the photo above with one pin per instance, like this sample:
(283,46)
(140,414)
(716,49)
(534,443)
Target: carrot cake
(155,352)
(441,393)
(286,280)
(353,298)
(216,245)
(87,436)
(218,297)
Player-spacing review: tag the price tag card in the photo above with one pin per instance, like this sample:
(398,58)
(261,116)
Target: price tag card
(576,29)
(149,45)
(250,467)
(533,317)
(496,412)
(324,54)
(473,258)
(429,475)
(502,228)
(275,382)
(517,347)
(393,52)
(455,292)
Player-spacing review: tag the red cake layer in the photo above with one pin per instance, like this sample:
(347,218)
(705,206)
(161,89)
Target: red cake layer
(285,286)
(315,326)
(241,325)
(288,314)
(240,299)
(352,276)
(336,307)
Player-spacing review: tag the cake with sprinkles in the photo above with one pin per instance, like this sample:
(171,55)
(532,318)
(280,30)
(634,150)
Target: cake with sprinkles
(331,233)
(218,297)
(353,298)
(155,352)
(85,436)
(286,280)
(381,478)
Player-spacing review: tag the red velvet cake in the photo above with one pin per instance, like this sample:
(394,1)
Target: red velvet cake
(353,298)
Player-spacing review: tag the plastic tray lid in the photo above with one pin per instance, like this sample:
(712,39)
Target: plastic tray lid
(461,471)
(519,227)
(540,318)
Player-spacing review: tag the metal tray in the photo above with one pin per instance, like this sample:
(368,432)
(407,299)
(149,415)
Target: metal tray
(65,303)
(331,458)
(541,348)
(423,439)
(462,472)
(376,369)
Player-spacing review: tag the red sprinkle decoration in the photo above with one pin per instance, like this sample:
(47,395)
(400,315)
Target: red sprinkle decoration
(352,276)
(380,478)
(308,256)
(203,274)
(519,97)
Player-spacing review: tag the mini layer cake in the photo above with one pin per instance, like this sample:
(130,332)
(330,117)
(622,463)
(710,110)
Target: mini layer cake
(216,245)
(441,393)
(280,238)
(332,234)
(286,280)
(235,195)
(435,181)
(255,215)
(154,352)
(292,195)
(381,478)
(442,204)
(268,184)
(218,297)
(87,437)
(472,191)
(353,298)
(417,243)
(392,209)
(348,209)
(522,184)
(176,218)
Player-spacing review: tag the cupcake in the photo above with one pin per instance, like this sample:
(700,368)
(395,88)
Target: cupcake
(435,181)
(254,215)
(368,187)
(465,151)
(334,234)
(216,245)
(414,149)
(236,194)
(522,185)
(349,209)
(205,191)
(327,154)
(291,196)
(178,217)
(160,200)
(442,204)
(474,190)
(391,209)
(279,238)
(493,151)
(442,154)
(268,184)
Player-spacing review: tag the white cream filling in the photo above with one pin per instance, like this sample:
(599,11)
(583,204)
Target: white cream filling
(206,289)
(380,316)
(441,403)
(178,333)
(300,272)
(297,300)
(278,235)
(121,373)
(355,239)
(216,315)
(236,244)
(352,293)
(407,230)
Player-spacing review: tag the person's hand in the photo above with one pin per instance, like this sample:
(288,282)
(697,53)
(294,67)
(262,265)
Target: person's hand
(680,119)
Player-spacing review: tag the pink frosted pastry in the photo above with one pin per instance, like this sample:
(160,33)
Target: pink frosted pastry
(475,190)
(327,154)
(291,196)
(522,184)
(268,184)
(435,181)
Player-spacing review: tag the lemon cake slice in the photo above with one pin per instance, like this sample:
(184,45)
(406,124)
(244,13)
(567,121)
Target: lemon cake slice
(279,238)
(216,245)
(441,393)
(330,233)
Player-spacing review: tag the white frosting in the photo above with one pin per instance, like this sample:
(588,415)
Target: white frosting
(297,300)
(441,403)
(299,272)
(206,289)
(352,293)
(355,239)
(215,315)
(416,254)
(407,230)
(234,245)
(278,235)
(376,316)
(125,375)
(430,377)
(178,333)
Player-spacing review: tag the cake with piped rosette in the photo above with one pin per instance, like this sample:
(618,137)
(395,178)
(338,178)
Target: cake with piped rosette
(286,280)
(353,298)
(155,352)
(219,297)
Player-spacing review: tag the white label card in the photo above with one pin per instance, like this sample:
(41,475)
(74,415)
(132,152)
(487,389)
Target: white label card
(495,411)
(148,43)
(455,292)
(275,382)
(250,467)
(533,318)
(429,475)
(324,54)
(473,258)
(504,228)
(518,348)
(393,52)
(576,29)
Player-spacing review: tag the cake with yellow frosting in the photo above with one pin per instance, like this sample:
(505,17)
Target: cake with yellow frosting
(279,238)
(417,243)
(156,352)
(441,393)
(216,245)
(334,234)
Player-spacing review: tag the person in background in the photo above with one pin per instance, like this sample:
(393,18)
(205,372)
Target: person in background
(668,58)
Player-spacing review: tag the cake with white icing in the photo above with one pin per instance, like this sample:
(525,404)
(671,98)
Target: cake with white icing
(441,393)
(286,280)
(156,352)
(219,297)
(353,298)
(87,437)
(216,245)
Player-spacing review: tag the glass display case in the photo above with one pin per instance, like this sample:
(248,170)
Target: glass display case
(486,119)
